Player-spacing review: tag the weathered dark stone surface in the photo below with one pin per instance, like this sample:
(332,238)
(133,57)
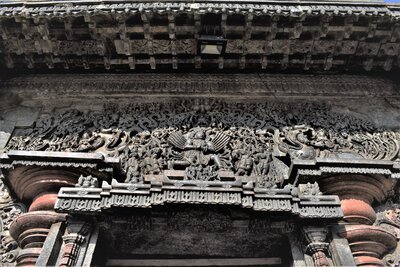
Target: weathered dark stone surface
(193,233)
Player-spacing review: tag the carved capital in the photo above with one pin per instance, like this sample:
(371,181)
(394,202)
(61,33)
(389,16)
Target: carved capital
(29,182)
(317,247)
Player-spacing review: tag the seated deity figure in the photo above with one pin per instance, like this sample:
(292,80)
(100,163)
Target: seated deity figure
(244,166)
(151,163)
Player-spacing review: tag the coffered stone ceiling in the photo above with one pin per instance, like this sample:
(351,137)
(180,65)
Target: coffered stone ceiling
(322,36)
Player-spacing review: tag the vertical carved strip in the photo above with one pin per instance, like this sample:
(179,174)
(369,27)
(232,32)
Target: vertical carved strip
(73,240)
(9,211)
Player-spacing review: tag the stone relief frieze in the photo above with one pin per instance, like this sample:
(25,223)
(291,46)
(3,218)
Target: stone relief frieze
(210,140)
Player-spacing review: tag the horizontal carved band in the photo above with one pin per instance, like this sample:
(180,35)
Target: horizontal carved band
(302,203)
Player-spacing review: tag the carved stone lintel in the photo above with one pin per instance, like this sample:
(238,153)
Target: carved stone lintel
(305,204)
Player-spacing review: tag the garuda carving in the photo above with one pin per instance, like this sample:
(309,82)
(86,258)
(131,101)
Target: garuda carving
(197,148)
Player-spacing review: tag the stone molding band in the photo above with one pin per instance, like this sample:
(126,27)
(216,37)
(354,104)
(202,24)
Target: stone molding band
(82,200)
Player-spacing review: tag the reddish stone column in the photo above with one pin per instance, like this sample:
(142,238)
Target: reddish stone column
(38,186)
(358,193)
(30,230)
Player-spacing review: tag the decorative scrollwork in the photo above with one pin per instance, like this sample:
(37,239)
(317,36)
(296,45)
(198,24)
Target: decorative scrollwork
(253,139)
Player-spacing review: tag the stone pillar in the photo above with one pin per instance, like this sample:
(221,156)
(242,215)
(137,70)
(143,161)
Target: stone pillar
(38,186)
(30,230)
(317,246)
(358,193)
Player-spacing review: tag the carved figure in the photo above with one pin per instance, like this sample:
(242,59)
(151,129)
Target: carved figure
(133,174)
(309,189)
(87,182)
(198,173)
(151,163)
(244,165)
(196,149)
(263,160)
(5,197)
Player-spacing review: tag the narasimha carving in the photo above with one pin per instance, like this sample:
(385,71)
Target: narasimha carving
(208,140)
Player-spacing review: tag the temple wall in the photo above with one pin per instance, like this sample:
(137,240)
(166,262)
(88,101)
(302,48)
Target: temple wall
(316,155)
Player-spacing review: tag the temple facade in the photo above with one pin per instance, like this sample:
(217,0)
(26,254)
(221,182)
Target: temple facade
(199,133)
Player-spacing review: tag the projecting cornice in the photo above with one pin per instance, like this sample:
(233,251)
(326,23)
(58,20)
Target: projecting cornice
(261,35)
(230,86)
(288,8)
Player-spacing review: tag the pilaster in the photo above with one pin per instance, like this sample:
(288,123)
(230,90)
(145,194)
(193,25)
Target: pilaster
(317,245)
(75,240)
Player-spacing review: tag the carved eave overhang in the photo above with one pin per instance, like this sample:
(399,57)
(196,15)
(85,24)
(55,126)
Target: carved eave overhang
(96,161)
(262,35)
(28,172)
